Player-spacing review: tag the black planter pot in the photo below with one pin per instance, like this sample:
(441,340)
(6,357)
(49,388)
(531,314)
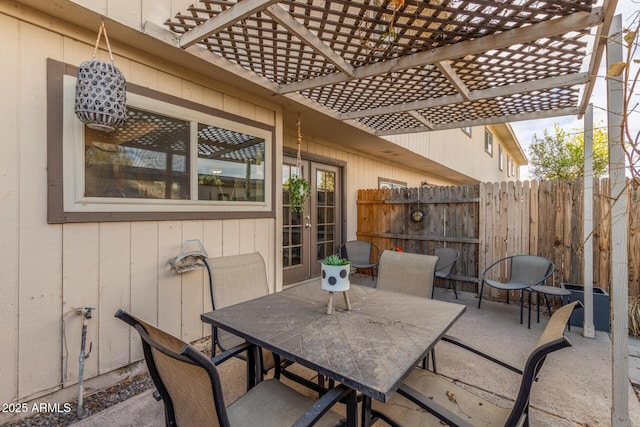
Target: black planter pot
(601,306)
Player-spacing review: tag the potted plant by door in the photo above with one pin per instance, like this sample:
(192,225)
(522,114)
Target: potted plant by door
(299,191)
(335,273)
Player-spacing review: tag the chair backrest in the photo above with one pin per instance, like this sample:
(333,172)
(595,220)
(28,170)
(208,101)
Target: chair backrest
(530,269)
(359,252)
(552,339)
(407,273)
(237,278)
(186,379)
(447,258)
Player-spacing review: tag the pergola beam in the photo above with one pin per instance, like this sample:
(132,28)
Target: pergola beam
(223,20)
(542,84)
(569,111)
(452,77)
(600,42)
(555,27)
(281,16)
(419,117)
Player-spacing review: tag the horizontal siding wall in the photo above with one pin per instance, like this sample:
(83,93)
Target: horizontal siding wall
(50,271)
(459,151)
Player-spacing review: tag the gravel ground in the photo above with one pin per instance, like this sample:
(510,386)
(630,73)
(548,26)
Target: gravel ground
(91,404)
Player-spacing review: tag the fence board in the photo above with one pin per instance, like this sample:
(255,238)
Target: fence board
(489,221)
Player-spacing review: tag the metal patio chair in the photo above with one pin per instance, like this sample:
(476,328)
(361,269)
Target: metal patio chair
(408,273)
(447,258)
(235,279)
(189,386)
(239,278)
(426,397)
(522,272)
(362,254)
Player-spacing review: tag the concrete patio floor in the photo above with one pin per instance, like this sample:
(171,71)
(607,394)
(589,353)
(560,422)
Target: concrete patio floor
(574,388)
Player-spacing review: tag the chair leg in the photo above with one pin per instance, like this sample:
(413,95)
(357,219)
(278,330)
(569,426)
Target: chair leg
(481,288)
(521,305)
(548,305)
(453,283)
(529,311)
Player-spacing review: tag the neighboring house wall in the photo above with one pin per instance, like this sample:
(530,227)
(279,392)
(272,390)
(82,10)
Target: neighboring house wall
(461,152)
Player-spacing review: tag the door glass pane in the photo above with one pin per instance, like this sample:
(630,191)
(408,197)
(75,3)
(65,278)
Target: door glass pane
(291,224)
(325,214)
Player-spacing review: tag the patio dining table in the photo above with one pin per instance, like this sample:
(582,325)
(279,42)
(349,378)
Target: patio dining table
(372,348)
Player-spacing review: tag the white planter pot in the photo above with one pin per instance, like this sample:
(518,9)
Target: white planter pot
(335,278)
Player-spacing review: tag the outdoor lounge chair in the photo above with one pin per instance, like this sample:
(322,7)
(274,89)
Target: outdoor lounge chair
(447,258)
(426,397)
(362,254)
(522,271)
(190,388)
(408,273)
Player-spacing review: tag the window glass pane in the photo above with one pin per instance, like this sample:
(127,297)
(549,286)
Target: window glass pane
(147,158)
(231,165)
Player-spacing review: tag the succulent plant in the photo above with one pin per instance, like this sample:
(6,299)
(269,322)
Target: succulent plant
(335,259)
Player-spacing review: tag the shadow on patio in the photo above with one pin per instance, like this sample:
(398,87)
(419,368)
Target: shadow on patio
(574,386)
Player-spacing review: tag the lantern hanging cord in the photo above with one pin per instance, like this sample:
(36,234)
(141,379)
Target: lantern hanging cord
(102,29)
(299,143)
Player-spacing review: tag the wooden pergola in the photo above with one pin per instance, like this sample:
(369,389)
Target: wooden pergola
(403,66)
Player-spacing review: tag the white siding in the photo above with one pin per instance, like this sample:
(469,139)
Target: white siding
(9,209)
(455,149)
(49,271)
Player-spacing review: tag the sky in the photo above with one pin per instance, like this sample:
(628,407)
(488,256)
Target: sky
(525,130)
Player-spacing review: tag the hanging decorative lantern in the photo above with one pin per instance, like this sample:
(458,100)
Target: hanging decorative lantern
(101,95)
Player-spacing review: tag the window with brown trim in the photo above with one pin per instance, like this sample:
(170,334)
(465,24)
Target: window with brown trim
(173,159)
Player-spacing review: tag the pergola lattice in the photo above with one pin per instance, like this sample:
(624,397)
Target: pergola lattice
(393,66)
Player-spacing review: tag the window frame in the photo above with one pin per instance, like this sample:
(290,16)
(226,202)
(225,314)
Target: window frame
(65,161)
(501,159)
(390,183)
(488,142)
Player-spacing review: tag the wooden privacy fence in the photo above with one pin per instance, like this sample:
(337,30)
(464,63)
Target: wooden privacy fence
(490,221)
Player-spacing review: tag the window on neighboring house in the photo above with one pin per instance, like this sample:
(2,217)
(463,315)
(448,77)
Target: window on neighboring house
(390,183)
(509,166)
(500,158)
(514,169)
(466,130)
(173,159)
(488,142)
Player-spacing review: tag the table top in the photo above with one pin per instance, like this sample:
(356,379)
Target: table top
(371,348)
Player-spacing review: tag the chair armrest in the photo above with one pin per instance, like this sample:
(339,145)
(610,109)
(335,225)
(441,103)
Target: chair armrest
(322,405)
(228,354)
(432,407)
(459,343)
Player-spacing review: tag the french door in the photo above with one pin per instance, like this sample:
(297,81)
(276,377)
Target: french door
(309,236)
